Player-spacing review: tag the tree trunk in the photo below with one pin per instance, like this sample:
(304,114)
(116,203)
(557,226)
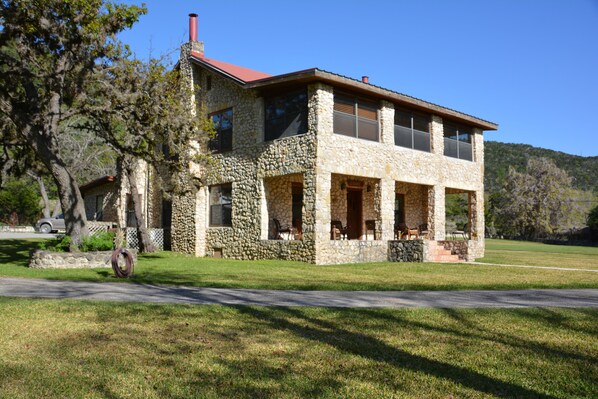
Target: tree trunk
(42,190)
(69,195)
(145,242)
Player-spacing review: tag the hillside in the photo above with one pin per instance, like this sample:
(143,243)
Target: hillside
(499,156)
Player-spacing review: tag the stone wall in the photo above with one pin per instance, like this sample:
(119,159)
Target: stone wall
(406,251)
(72,260)
(416,202)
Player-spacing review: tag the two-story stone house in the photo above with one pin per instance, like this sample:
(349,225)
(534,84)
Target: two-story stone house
(298,155)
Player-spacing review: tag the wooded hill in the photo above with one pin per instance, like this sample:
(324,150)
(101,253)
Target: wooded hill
(499,156)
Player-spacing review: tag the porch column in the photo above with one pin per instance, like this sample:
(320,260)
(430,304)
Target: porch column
(387,209)
(476,221)
(321,232)
(189,221)
(436,212)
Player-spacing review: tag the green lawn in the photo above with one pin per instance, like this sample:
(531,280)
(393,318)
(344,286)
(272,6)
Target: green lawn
(538,254)
(176,269)
(76,349)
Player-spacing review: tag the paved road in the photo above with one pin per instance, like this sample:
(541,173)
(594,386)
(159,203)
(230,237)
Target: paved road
(23,236)
(19,287)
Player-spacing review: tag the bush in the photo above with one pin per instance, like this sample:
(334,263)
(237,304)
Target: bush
(98,242)
(60,244)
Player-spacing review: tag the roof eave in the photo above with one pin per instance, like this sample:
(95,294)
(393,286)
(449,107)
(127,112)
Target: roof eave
(314,74)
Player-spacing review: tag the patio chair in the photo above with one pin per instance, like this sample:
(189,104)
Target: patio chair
(409,232)
(280,230)
(370,225)
(423,230)
(400,231)
(337,231)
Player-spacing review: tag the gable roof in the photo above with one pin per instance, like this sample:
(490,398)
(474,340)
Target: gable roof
(251,79)
(232,71)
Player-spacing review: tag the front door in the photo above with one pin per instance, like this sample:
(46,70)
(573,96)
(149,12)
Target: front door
(354,213)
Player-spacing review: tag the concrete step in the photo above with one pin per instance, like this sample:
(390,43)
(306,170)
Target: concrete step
(444,259)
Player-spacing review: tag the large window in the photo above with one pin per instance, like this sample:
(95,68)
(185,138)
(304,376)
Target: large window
(355,117)
(286,115)
(457,142)
(412,130)
(223,124)
(221,205)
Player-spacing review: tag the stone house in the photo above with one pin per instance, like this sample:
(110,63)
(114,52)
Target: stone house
(104,203)
(299,153)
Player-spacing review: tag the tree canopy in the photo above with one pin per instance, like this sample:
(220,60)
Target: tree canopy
(49,53)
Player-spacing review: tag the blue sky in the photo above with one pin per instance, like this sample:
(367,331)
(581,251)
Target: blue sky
(529,65)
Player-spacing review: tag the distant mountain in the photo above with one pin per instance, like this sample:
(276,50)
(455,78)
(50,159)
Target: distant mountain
(499,156)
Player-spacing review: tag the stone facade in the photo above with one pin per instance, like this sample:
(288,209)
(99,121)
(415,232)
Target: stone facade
(326,166)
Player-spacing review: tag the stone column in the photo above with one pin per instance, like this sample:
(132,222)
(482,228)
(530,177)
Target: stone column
(437,133)
(436,212)
(476,221)
(387,123)
(387,208)
(321,233)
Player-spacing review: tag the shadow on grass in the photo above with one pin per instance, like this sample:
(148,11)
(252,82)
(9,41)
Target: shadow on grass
(17,251)
(376,350)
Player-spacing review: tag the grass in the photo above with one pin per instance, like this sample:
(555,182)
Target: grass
(57,349)
(176,269)
(538,254)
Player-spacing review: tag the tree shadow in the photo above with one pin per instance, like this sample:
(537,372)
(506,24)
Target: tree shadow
(377,350)
(17,251)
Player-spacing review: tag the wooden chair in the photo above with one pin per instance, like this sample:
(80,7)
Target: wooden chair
(337,231)
(280,230)
(400,231)
(423,230)
(412,233)
(370,225)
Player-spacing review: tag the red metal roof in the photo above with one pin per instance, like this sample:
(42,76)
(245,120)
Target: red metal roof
(244,74)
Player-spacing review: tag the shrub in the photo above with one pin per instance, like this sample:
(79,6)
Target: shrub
(97,242)
(60,244)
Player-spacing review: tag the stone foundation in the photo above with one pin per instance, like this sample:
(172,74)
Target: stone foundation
(406,251)
(72,260)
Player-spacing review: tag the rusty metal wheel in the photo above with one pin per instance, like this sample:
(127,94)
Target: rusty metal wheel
(127,271)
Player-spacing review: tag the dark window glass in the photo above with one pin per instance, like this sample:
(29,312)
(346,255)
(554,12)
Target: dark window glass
(457,142)
(399,209)
(286,115)
(223,125)
(221,205)
(355,117)
(412,130)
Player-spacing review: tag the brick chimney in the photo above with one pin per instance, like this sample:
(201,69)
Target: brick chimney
(196,45)
(365,79)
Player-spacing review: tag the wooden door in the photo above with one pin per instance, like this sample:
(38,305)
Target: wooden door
(354,213)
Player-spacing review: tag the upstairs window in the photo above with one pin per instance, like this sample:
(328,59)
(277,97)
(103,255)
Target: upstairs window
(286,115)
(223,125)
(457,142)
(355,117)
(221,205)
(412,130)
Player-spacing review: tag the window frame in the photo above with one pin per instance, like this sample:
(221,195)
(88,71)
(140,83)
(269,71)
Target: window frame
(412,116)
(286,117)
(215,143)
(460,130)
(222,204)
(358,113)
